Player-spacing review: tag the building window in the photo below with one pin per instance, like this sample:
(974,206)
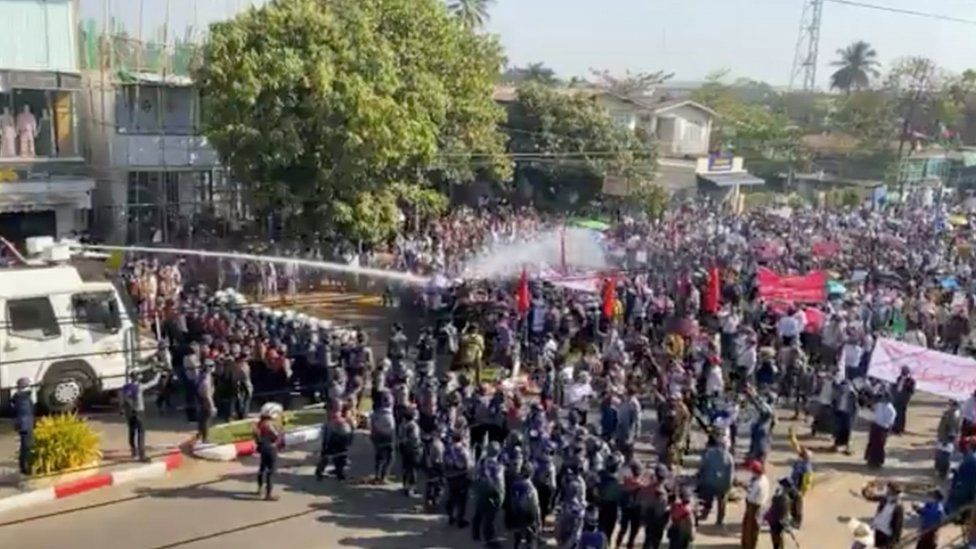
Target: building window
(622,119)
(50,114)
(155,109)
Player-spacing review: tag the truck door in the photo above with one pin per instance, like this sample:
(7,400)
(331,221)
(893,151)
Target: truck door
(31,339)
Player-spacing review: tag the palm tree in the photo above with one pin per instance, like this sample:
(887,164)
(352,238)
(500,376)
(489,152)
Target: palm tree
(473,13)
(538,72)
(858,64)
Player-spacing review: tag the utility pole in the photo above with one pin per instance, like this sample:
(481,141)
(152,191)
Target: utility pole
(807,46)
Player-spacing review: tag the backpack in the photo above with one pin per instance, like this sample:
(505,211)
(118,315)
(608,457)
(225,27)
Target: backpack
(522,501)
(592,540)
(382,424)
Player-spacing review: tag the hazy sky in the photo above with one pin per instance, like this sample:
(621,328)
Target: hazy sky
(753,38)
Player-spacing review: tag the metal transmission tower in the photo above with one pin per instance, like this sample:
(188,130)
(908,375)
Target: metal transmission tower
(807,45)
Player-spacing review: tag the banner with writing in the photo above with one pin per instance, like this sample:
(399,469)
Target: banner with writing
(809,288)
(946,375)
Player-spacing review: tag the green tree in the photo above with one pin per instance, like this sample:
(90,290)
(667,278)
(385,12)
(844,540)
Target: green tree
(473,13)
(630,84)
(565,145)
(746,128)
(328,109)
(857,65)
(870,116)
(920,89)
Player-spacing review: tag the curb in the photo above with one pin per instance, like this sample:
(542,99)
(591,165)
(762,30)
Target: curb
(244,448)
(100,480)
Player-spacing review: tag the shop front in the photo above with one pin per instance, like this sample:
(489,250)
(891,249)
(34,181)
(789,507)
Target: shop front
(57,208)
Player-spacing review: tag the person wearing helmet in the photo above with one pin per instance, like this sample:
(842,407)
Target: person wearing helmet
(410,448)
(133,404)
(382,428)
(268,438)
(23,406)
(205,400)
(337,435)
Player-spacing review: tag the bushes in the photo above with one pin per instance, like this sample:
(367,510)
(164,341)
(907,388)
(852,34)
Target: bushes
(63,442)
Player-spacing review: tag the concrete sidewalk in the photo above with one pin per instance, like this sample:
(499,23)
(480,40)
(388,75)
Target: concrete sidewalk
(163,433)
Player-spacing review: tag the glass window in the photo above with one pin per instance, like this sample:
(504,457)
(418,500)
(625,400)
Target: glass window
(96,311)
(34,106)
(32,318)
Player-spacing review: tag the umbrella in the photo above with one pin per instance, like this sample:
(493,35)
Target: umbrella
(835,288)
(594,224)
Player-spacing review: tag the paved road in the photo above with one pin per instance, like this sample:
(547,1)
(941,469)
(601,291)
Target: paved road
(208,505)
(212,505)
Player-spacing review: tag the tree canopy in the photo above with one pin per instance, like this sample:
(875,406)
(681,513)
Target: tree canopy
(564,144)
(857,65)
(330,109)
(744,127)
(473,13)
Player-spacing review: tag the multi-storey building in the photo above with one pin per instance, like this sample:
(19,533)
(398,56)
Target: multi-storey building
(45,186)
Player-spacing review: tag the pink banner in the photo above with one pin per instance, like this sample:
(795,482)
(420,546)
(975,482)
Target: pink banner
(810,288)
(946,375)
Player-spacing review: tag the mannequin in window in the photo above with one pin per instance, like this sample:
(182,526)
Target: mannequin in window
(26,132)
(8,134)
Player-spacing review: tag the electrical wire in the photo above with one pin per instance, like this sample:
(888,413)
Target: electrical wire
(903,11)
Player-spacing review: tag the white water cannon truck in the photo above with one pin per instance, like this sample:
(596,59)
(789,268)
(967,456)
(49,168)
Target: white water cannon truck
(68,336)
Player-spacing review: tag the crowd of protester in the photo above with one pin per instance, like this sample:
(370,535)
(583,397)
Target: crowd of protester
(679,341)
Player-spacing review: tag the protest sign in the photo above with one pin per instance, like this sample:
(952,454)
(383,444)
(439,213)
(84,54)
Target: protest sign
(946,375)
(809,288)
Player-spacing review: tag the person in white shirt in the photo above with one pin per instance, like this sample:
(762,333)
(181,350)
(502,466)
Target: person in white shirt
(884,418)
(787,327)
(747,356)
(757,494)
(850,358)
(714,382)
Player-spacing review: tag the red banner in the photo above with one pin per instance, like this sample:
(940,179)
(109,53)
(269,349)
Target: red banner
(810,288)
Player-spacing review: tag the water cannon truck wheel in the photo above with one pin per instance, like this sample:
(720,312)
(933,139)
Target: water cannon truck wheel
(63,389)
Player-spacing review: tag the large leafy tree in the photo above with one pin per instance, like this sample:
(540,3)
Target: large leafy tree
(745,127)
(856,65)
(565,144)
(328,110)
(473,13)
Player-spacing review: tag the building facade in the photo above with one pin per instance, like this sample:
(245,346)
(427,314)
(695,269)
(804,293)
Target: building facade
(158,180)
(45,186)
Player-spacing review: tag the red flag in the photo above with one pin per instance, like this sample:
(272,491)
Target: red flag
(712,291)
(523,299)
(609,296)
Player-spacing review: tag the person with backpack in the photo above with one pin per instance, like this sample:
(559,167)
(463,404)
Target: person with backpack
(457,469)
(715,474)
(609,495)
(410,448)
(655,511)
(681,532)
(337,436)
(592,537)
(526,521)
(544,480)
(434,458)
(382,432)
(489,494)
(633,483)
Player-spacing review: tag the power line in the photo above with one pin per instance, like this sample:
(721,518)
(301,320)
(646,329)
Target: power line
(903,11)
